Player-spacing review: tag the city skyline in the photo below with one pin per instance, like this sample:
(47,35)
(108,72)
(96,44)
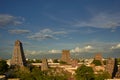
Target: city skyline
(47,27)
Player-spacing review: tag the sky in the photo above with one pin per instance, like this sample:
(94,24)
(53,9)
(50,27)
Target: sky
(46,27)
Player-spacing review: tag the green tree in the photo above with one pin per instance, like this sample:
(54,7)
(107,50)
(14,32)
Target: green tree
(55,61)
(118,61)
(3,66)
(23,73)
(62,62)
(102,76)
(38,75)
(84,73)
(97,62)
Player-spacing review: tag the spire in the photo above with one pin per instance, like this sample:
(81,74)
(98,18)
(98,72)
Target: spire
(18,57)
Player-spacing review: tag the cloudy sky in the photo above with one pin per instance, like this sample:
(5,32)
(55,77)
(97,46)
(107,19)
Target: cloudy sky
(45,27)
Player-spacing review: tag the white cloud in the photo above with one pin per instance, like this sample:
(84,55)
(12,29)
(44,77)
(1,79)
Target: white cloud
(49,31)
(40,52)
(87,48)
(32,52)
(18,31)
(6,20)
(101,20)
(76,50)
(46,31)
(54,51)
(40,36)
(60,32)
(46,34)
(116,46)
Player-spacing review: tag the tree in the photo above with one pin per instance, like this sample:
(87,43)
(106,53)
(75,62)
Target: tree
(84,73)
(97,62)
(3,66)
(118,61)
(102,76)
(55,61)
(62,62)
(37,74)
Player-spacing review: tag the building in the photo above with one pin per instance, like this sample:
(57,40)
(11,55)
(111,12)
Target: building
(99,57)
(18,57)
(110,66)
(66,56)
(2,77)
(74,63)
(117,76)
(44,65)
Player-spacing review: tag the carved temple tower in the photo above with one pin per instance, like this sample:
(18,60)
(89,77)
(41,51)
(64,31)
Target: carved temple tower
(18,57)
(66,56)
(44,65)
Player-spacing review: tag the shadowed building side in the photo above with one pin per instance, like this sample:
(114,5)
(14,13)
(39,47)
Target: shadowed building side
(18,57)
(110,63)
(117,76)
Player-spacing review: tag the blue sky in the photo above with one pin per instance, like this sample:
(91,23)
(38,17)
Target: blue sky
(45,27)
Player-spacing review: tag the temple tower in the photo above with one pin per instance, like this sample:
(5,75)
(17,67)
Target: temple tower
(18,57)
(117,76)
(110,63)
(44,65)
(66,56)
(99,57)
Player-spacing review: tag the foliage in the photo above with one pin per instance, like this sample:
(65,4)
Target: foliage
(35,74)
(84,73)
(118,61)
(97,62)
(102,76)
(3,66)
(55,61)
(38,75)
(62,62)
(87,73)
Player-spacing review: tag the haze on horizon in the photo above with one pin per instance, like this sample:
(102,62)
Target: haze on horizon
(45,27)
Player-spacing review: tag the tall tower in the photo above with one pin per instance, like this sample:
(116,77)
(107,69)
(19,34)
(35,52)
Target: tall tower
(18,57)
(66,56)
(110,63)
(99,57)
(44,65)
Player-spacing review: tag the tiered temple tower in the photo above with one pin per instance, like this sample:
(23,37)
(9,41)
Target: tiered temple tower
(18,57)
(117,76)
(98,56)
(66,56)
(110,63)
(44,65)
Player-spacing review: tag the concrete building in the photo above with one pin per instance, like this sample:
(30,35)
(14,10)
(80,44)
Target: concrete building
(18,57)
